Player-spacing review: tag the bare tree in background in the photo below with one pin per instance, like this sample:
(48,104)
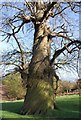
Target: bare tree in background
(41,75)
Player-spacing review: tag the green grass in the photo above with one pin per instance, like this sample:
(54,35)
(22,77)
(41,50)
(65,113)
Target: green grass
(68,107)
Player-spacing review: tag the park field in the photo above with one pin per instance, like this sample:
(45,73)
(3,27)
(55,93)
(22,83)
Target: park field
(68,108)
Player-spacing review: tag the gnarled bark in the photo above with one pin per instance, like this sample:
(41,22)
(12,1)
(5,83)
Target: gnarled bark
(40,94)
(39,98)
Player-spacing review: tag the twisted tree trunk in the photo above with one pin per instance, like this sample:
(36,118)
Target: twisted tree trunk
(40,94)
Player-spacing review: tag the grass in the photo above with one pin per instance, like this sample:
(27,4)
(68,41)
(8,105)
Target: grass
(68,107)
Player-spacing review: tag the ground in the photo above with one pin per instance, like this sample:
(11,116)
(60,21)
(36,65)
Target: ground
(68,107)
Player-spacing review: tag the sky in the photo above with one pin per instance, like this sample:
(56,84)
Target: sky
(67,75)
(70,75)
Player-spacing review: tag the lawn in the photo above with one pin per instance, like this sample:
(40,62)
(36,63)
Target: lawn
(68,107)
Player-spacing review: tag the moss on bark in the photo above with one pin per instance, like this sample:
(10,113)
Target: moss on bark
(39,98)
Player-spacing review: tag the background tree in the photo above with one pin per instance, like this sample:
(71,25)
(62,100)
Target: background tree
(79,86)
(66,87)
(42,68)
(14,86)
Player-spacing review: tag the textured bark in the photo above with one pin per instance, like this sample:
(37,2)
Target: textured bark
(79,86)
(39,98)
(24,75)
(40,62)
(80,92)
(40,94)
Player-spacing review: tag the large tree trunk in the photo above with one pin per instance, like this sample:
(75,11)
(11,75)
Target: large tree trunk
(40,94)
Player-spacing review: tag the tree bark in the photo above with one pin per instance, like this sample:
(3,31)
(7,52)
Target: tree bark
(40,94)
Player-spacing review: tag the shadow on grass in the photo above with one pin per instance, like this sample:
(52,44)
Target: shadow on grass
(12,106)
(68,110)
(15,107)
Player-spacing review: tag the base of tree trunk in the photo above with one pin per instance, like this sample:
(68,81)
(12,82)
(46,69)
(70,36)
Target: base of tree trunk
(39,98)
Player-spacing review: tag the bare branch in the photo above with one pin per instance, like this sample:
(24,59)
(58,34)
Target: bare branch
(54,34)
(9,5)
(48,9)
(58,52)
(61,10)
(27,19)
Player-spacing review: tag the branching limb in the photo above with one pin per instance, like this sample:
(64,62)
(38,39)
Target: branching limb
(27,19)
(12,6)
(49,7)
(58,52)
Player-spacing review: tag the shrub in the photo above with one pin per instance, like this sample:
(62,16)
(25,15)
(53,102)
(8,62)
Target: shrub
(14,86)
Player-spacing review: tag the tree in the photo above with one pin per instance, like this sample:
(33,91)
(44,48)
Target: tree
(41,75)
(14,86)
(65,86)
(79,86)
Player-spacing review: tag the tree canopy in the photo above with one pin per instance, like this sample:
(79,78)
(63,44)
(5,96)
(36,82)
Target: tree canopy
(18,25)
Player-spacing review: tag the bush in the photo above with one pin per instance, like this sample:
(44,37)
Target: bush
(14,86)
